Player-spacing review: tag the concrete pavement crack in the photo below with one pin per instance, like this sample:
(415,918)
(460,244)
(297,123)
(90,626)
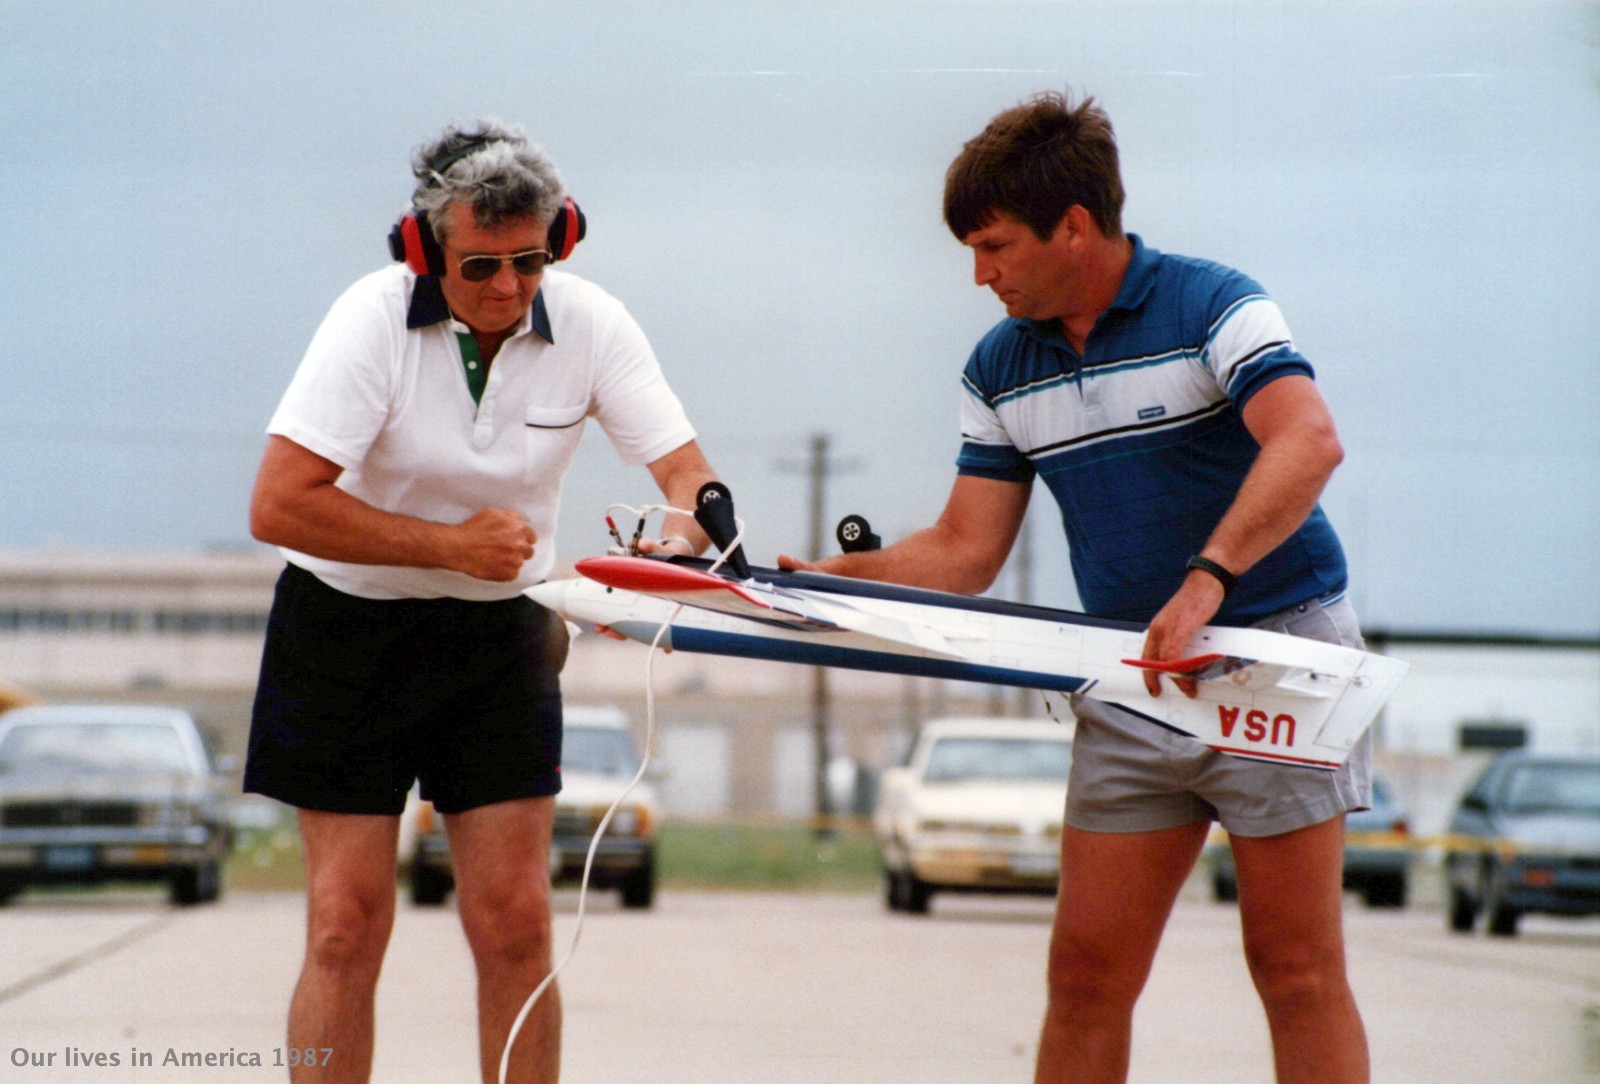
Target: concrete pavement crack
(78,960)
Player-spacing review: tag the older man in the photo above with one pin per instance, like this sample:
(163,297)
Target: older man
(412,478)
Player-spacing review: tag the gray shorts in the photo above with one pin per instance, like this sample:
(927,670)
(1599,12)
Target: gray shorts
(1129,775)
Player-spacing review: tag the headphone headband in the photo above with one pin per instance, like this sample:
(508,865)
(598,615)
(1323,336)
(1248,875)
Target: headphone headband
(466,150)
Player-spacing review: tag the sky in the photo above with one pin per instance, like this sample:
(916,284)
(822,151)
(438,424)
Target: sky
(190,185)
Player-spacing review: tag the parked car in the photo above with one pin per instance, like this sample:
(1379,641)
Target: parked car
(93,793)
(976,808)
(1525,838)
(1378,855)
(598,761)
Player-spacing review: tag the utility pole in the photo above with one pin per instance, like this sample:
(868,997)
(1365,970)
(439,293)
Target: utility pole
(818,466)
(1023,697)
(1022,587)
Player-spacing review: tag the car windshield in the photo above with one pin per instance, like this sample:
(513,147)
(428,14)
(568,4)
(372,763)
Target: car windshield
(1553,788)
(956,759)
(94,748)
(601,750)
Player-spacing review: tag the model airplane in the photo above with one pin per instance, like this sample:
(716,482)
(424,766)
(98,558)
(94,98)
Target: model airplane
(1263,695)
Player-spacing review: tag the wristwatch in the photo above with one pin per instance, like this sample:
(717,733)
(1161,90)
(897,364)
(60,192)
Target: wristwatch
(1205,564)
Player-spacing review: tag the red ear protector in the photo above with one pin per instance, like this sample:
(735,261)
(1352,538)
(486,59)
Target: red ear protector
(412,238)
(566,230)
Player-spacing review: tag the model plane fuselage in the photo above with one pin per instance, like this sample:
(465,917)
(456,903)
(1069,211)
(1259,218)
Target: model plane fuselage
(1261,694)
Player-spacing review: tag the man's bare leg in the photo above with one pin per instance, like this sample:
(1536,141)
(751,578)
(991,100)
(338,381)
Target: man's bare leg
(1291,908)
(1117,890)
(350,898)
(501,855)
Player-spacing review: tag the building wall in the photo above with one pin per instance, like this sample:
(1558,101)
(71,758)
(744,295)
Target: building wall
(1553,691)
(103,624)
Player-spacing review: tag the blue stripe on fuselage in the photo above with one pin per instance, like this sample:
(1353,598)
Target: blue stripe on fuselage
(740,645)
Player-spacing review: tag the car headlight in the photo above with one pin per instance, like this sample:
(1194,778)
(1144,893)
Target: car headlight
(629,820)
(168,816)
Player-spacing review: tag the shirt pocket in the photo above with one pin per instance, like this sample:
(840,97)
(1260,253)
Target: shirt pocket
(552,440)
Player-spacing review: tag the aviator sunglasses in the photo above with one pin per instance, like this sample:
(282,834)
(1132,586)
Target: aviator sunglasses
(482,268)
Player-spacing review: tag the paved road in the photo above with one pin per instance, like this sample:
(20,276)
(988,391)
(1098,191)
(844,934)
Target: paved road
(740,988)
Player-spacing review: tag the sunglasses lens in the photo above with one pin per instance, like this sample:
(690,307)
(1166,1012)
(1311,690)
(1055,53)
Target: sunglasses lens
(529,263)
(483,268)
(479,268)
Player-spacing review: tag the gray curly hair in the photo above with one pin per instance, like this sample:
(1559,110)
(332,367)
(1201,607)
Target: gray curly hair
(493,168)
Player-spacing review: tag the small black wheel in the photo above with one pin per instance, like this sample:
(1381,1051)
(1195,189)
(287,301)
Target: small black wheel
(855,535)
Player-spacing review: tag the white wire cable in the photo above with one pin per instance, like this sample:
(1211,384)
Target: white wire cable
(644,766)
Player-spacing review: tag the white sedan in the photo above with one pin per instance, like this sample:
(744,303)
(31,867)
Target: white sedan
(976,808)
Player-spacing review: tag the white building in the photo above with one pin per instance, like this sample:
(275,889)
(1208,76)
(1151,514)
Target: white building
(81,623)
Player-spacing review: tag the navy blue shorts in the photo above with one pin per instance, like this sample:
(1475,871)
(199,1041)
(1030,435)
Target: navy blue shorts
(360,698)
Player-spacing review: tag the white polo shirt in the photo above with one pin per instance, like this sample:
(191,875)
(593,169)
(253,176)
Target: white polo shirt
(390,404)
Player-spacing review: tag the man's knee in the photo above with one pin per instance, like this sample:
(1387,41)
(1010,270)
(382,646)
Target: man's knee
(1083,975)
(508,924)
(1294,974)
(348,932)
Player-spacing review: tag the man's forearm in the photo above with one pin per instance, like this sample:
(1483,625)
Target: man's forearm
(1277,495)
(329,523)
(927,558)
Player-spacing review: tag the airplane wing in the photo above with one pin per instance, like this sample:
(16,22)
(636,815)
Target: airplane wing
(1260,694)
(757,601)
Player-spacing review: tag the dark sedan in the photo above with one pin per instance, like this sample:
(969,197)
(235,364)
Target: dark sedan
(91,793)
(1525,838)
(1377,853)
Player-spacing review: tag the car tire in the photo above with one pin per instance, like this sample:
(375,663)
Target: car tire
(908,893)
(194,885)
(9,889)
(429,887)
(892,895)
(1463,911)
(639,888)
(1388,891)
(1503,918)
(1224,889)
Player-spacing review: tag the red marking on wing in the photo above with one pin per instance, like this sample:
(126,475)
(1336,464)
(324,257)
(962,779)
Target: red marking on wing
(651,577)
(1176,666)
(1276,758)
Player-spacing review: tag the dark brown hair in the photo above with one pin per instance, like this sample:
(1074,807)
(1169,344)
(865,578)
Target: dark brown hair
(1034,161)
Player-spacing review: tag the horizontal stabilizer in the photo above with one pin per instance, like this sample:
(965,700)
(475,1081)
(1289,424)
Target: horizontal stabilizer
(1242,673)
(1197,667)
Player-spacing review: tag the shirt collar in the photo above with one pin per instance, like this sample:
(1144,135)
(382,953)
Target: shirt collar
(1137,282)
(1140,276)
(428,307)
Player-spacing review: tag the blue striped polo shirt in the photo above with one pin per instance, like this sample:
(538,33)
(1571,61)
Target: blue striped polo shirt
(1140,439)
